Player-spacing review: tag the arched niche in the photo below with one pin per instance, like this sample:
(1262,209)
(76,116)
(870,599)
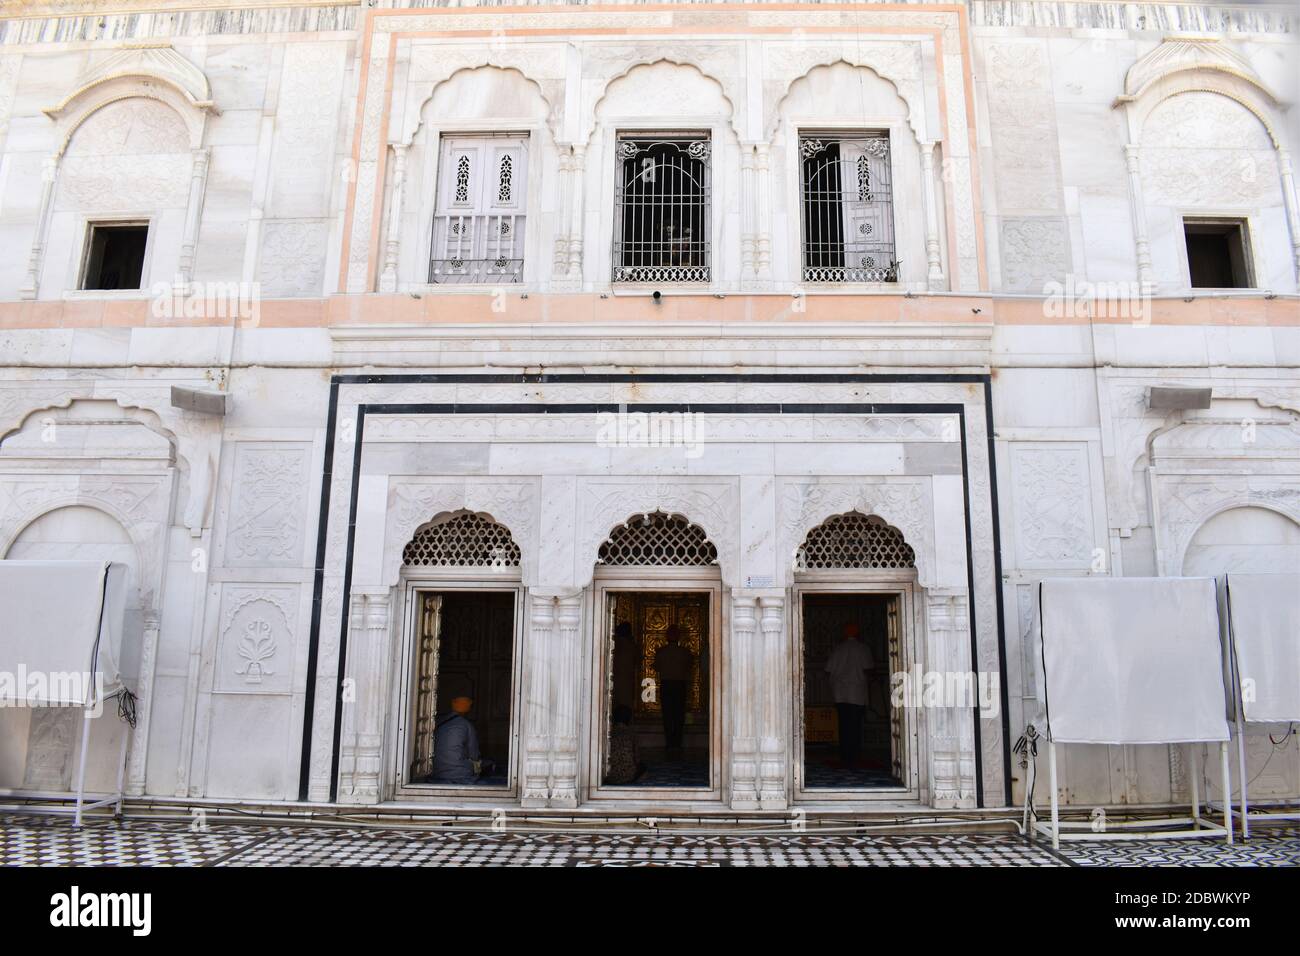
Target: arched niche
(128,145)
(663,96)
(665,90)
(42,468)
(841,97)
(1249,538)
(82,530)
(1205,131)
(483,100)
(842,88)
(503,97)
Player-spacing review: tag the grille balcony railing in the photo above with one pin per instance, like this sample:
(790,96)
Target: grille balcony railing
(482,248)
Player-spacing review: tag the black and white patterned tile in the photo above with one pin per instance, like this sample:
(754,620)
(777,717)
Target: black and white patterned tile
(1269,845)
(54,841)
(49,841)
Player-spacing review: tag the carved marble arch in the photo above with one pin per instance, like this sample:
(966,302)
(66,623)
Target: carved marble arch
(688,80)
(78,107)
(694,522)
(657,540)
(854,541)
(140,414)
(143,536)
(906,98)
(462,540)
(525,99)
(1183,65)
(1189,516)
(190,438)
(904,507)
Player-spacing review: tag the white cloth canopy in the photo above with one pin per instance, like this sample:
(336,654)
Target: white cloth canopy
(1131,660)
(1264,616)
(60,623)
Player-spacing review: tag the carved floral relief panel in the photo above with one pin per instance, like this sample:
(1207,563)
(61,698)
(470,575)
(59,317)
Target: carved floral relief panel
(1052,493)
(267,519)
(255,639)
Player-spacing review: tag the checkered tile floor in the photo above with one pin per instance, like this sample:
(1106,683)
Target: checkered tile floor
(44,841)
(1269,845)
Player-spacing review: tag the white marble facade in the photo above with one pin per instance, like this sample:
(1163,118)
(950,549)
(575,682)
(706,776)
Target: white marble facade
(1008,439)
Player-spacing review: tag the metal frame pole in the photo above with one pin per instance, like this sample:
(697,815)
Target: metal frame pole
(1195,773)
(81,763)
(1051,770)
(1227,793)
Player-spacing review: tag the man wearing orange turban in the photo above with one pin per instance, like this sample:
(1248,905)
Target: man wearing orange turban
(456,756)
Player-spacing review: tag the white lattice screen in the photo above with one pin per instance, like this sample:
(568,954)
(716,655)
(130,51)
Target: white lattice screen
(463,540)
(658,540)
(854,540)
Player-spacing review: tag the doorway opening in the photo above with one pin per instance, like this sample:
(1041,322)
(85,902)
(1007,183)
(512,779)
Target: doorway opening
(462,728)
(852,733)
(455,727)
(658,728)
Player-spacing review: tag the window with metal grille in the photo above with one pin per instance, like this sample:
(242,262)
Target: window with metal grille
(854,540)
(478,224)
(462,540)
(658,540)
(661,208)
(848,208)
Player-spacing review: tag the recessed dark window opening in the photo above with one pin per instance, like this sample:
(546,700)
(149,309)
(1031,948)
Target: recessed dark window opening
(115,255)
(661,208)
(1218,253)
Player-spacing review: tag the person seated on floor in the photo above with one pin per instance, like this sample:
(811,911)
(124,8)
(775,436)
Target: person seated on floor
(624,761)
(456,757)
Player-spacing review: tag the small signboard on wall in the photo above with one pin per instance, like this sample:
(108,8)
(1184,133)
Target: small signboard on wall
(820,725)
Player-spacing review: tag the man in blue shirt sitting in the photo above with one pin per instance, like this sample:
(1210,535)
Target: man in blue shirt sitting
(456,756)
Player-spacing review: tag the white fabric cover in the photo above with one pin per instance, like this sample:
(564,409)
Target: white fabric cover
(61,617)
(1264,612)
(1132,660)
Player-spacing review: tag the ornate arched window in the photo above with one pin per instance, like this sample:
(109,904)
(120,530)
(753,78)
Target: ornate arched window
(462,539)
(854,540)
(658,540)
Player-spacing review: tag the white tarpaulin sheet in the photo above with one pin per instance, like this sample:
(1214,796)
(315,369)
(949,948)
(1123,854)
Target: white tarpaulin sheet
(1132,660)
(60,622)
(1264,611)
